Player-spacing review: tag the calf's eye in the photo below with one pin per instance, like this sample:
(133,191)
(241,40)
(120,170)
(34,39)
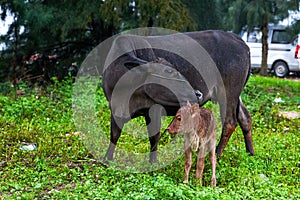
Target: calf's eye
(179,118)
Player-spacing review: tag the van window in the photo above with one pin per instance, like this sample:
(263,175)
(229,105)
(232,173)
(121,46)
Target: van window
(281,37)
(255,36)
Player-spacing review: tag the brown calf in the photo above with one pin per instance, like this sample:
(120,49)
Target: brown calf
(199,129)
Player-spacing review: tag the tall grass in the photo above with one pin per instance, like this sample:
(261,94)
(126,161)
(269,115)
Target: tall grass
(61,167)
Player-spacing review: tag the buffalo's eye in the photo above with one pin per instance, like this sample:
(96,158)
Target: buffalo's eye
(179,118)
(169,71)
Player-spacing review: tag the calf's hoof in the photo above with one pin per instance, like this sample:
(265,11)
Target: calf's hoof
(199,181)
(213,182)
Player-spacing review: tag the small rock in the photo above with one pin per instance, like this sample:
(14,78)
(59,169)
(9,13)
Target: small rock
(21,92)
(29,147)
(271,88)
(68,134)
(278,100)
(3,164)
(263,177)
(289,114)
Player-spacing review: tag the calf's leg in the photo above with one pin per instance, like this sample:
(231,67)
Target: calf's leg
(200,164)
(187,164)
(212,156)
(212,159)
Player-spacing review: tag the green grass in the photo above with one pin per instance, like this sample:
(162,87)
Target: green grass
(62,168)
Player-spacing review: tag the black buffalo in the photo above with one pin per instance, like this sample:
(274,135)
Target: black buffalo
(143,79)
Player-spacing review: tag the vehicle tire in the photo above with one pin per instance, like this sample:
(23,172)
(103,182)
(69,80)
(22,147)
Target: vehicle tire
(281,69)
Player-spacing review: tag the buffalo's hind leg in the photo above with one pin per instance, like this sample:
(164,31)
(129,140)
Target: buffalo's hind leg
(245,122)
(236,114)
(228,113)
(115,132)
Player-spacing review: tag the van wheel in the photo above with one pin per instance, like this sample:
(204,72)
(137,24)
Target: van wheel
(281,69)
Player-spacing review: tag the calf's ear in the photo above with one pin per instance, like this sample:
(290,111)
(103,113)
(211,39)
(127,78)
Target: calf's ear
(188,103)
(195,108)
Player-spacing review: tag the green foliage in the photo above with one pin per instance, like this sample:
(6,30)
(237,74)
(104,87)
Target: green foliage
(206,13)
(237,15)
(135,14)
(70,29)
(62,168)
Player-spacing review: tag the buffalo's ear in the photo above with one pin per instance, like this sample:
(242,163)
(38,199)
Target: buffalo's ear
(133,62)
(130,65)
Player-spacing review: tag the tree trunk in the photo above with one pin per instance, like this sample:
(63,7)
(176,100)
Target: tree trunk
(264,60)
(15,56)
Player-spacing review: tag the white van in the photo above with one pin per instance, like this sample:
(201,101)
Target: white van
(282,58)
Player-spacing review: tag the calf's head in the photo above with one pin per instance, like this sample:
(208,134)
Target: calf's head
(186,122)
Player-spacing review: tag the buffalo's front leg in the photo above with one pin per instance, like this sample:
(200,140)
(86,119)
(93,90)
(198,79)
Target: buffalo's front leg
(153,126)
(115,132)
(153,143)
(153,123)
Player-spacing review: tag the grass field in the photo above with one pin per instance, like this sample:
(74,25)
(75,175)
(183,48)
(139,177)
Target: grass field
(61,166)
